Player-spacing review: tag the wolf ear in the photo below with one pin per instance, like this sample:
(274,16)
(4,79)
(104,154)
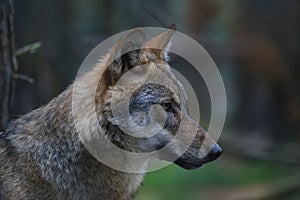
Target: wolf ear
(161,43)
(126,53)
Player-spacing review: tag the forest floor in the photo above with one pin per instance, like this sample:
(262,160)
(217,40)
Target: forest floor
(225,179)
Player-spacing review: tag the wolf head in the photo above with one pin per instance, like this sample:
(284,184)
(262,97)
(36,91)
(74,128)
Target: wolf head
(142,106)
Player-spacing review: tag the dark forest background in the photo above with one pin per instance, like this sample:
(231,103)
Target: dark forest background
(256,46)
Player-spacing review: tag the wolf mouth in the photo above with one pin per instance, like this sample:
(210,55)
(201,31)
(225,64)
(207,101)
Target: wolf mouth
(187,165)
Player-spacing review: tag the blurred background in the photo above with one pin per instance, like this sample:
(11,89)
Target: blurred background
(256,46)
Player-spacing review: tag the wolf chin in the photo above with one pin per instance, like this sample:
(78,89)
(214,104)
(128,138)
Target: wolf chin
(42,156)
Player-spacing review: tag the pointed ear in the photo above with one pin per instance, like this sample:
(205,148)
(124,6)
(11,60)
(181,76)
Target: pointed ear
(126,53)
(161,43)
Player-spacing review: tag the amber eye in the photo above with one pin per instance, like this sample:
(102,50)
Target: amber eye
(166,106)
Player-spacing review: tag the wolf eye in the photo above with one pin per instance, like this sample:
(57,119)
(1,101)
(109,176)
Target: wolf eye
(166,106)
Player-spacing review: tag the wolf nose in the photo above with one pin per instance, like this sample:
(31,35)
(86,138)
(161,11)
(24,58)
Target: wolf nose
(214,153)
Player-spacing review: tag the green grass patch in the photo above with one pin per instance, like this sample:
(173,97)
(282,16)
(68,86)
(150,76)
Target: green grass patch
(175,183)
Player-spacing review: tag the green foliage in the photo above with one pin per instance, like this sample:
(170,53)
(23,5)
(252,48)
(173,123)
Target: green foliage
(175,183)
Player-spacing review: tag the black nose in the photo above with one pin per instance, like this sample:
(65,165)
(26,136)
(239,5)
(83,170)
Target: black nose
(214,153)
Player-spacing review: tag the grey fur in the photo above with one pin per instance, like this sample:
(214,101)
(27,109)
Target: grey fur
(42,156)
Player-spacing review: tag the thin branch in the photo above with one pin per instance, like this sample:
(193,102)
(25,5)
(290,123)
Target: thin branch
(8,61)
(30,48)
(23,77)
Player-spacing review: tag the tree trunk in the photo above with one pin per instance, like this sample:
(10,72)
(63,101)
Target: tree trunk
(8,62)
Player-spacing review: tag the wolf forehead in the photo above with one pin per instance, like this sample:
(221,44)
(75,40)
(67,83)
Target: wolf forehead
(152,93)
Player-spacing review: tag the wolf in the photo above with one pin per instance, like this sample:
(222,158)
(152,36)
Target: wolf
(43,157)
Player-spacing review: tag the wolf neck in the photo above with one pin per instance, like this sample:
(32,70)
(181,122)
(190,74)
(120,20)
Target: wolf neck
(51,139)
(91,103)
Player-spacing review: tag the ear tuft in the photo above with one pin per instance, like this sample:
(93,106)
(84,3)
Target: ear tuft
(132,40)
(126,53)
(161,43)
